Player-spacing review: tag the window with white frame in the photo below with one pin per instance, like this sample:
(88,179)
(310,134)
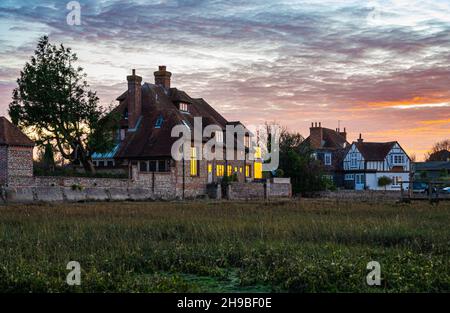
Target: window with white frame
(353,161)
(396,181)
(349,177)
(398,159)
(327,158)
(184,107)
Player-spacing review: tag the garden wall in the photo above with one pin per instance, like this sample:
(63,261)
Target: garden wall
(361,195)
(57,193)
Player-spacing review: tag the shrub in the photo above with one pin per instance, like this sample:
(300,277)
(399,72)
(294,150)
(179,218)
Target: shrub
(384,181)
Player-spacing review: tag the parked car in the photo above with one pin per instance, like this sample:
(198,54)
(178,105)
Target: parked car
(422,188)
(445,190)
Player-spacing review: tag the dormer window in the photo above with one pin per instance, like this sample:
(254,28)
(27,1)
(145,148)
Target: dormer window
(184,107)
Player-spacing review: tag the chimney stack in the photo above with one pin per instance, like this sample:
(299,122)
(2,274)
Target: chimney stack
(360,139)
(316,135)
(162,77)
(134,99)
(343,134)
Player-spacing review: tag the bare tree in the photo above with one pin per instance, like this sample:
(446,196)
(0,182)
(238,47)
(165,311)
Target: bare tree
(439,151)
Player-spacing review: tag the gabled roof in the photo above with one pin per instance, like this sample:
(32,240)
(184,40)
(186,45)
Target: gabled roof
(374,151)
(10,135)
(160,105)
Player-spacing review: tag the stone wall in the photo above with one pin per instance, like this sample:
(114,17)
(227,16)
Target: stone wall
(60,181)
(15,162)
(245,191)
(279,189)
(142,186)
(361,195)
(20,161)
(59,194)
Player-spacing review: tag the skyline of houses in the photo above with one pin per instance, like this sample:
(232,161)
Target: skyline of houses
(149,111)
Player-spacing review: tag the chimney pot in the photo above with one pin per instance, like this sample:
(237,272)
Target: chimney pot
(320,124)
(360,139)
(134,72)
(162,77)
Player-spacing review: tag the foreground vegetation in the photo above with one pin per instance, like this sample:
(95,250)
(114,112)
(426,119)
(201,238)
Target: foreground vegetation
(295,246)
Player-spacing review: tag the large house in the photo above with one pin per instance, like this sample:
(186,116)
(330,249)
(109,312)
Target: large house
(328,146)
(366,162)
(148,113)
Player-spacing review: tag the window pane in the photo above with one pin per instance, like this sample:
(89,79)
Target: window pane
(258,170)
(143,166)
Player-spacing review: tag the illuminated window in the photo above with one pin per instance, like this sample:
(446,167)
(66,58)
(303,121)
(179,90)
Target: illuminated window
(220,169)
(194,162)
(235,169)
(258,170)
(247,171)
(240,170)
(258,153)
(209,168)
(229,170)
(184,107)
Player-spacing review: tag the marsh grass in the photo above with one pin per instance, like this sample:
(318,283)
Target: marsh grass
(295,246)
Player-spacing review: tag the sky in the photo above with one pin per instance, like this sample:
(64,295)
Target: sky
(379,68)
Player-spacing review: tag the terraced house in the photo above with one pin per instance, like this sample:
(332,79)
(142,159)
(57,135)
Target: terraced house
(149,112)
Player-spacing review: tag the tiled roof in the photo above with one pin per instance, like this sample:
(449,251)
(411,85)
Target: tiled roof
(10,135)
(374,151)
(331,140)
(149,141)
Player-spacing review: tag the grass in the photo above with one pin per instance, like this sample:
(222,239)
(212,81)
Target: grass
(288,246)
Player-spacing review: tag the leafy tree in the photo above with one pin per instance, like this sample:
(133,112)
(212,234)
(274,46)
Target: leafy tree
(384,181)
(53,103)
(298,163)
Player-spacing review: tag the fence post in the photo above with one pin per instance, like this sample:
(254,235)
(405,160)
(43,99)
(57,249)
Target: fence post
(430,192)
